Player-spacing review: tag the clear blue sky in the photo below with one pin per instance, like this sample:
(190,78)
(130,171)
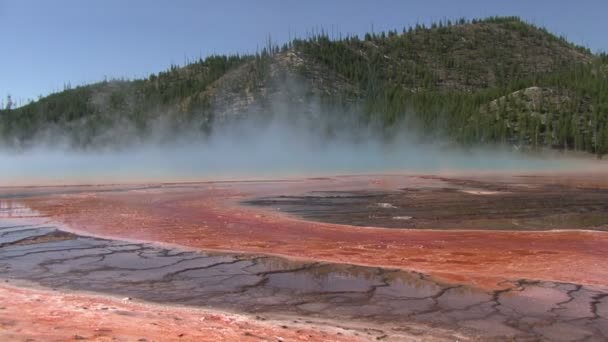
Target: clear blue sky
(48,43)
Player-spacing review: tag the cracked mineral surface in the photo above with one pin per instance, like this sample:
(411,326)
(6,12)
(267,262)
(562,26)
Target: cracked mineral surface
(258,284)
(472,261)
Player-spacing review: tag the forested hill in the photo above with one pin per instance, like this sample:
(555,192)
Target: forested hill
(498,80)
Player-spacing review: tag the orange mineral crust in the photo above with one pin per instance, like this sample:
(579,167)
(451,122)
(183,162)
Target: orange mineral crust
(211,216)
(42,315)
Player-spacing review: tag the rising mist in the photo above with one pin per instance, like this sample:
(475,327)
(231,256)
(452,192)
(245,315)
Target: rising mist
(285,138)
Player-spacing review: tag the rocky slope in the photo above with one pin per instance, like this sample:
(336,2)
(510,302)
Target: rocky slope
(463,79)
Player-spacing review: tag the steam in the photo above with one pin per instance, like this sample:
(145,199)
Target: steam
(290,137)
(276,150)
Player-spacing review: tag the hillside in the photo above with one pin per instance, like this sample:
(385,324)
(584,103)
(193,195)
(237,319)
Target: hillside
(497,80)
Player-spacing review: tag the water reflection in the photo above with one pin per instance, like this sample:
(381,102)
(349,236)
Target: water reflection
(16,209)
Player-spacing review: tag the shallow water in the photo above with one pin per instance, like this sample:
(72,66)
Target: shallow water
(264,157)
(271,285)
(459,204)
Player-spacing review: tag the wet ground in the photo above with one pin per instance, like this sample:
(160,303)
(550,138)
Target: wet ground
(211,216)
(485,275)
(513,204)
(31,315)
(260,284)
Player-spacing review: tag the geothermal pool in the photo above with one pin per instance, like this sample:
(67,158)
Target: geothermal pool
(515,204)
(386,257)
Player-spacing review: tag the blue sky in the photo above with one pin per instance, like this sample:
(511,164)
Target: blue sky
(46,44)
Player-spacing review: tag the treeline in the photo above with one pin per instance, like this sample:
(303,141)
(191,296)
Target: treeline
(84,114)
(446,77)
(496,80)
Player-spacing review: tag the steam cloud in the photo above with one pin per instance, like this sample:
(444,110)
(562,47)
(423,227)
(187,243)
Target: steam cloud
(294,140)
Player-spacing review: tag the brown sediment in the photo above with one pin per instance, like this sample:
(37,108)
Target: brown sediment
(210,216)
(29,314)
